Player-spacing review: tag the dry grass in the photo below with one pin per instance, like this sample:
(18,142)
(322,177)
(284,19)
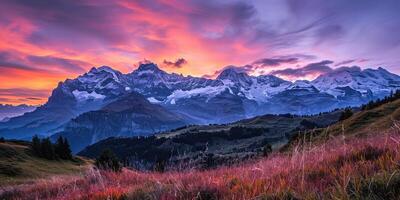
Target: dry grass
(358,168)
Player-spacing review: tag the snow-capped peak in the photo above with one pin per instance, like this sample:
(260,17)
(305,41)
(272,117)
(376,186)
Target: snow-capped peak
(148,67)
(302,85)
(236,76)
(365,81)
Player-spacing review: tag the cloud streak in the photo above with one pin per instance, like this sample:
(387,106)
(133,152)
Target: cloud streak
(312,69)
(43,37)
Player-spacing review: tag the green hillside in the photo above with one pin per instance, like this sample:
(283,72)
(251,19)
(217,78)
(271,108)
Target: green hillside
(377,120)
(18,164)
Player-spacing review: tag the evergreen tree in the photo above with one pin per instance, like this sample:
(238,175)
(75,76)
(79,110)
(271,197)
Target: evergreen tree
(67,150)
(347,113)
(36,145)
(62,149)
(2,139)
(47,149)
(108,161)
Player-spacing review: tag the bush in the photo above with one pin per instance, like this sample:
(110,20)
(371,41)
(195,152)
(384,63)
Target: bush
(160,165)
(377,187)
(267,149)
(108,161)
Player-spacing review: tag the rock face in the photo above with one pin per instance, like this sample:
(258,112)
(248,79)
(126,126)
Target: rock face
(129,115)
(233,95)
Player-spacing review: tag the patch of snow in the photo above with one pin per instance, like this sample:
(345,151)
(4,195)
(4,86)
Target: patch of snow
(208,91)
(148,71)
(111,71)
(127,88)
(153,100)
(84,95)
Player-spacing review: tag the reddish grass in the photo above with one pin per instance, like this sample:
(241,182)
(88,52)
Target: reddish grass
(337,169)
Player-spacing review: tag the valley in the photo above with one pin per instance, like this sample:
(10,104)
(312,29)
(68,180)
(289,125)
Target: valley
(351,164)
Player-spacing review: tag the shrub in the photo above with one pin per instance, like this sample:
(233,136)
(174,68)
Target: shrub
(108,161)
(267,149)
(160,165)
(384,187)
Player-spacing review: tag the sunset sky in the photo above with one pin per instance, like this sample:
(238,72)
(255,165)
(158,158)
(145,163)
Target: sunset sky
(43,42)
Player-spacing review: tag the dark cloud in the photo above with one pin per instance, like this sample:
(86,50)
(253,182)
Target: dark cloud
(65,64)
(24,92)
(310,69)
(178,63)
(33,98)
(345,62)
(275,61)
(11,61)
(45,64)
(64,19)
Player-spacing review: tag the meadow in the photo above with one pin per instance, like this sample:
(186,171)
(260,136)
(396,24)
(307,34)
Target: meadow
(362,167)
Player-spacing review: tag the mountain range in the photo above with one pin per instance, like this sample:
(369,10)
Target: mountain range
(8,111)
(105,102)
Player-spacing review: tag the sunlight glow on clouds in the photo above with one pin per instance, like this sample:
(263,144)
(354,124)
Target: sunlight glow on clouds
(43,42)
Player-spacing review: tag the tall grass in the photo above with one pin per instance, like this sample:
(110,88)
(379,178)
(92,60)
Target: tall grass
(343,168)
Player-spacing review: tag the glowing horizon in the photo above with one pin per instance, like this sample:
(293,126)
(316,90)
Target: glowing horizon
(43,43)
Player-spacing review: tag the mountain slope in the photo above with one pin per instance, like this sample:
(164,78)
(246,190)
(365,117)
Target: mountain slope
(193,144)
(9,111)
(379,120)
(129,115)
(18,164)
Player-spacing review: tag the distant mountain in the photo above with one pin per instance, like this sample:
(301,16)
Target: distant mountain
(130,115)
(232,96)
(8,111)
(70,98)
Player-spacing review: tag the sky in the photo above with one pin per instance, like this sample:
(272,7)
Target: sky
(43,42)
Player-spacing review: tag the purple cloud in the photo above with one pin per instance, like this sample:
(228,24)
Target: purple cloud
(310,69)
(275,61)
(345,62)
(177,64)
(65,64)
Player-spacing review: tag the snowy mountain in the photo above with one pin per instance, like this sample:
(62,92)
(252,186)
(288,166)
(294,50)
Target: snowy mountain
(233,95)
(8,111)
(129,115)
(369,82)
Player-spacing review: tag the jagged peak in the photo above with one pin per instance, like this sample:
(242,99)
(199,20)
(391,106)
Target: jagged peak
(149,66)
(232,72)
(102,68)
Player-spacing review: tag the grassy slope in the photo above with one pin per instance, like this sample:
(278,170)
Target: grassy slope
(19,165)
(360,168)
(355,168)
(378,120)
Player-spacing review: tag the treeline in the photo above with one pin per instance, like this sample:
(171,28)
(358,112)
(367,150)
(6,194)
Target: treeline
(45,149)
(373,104)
